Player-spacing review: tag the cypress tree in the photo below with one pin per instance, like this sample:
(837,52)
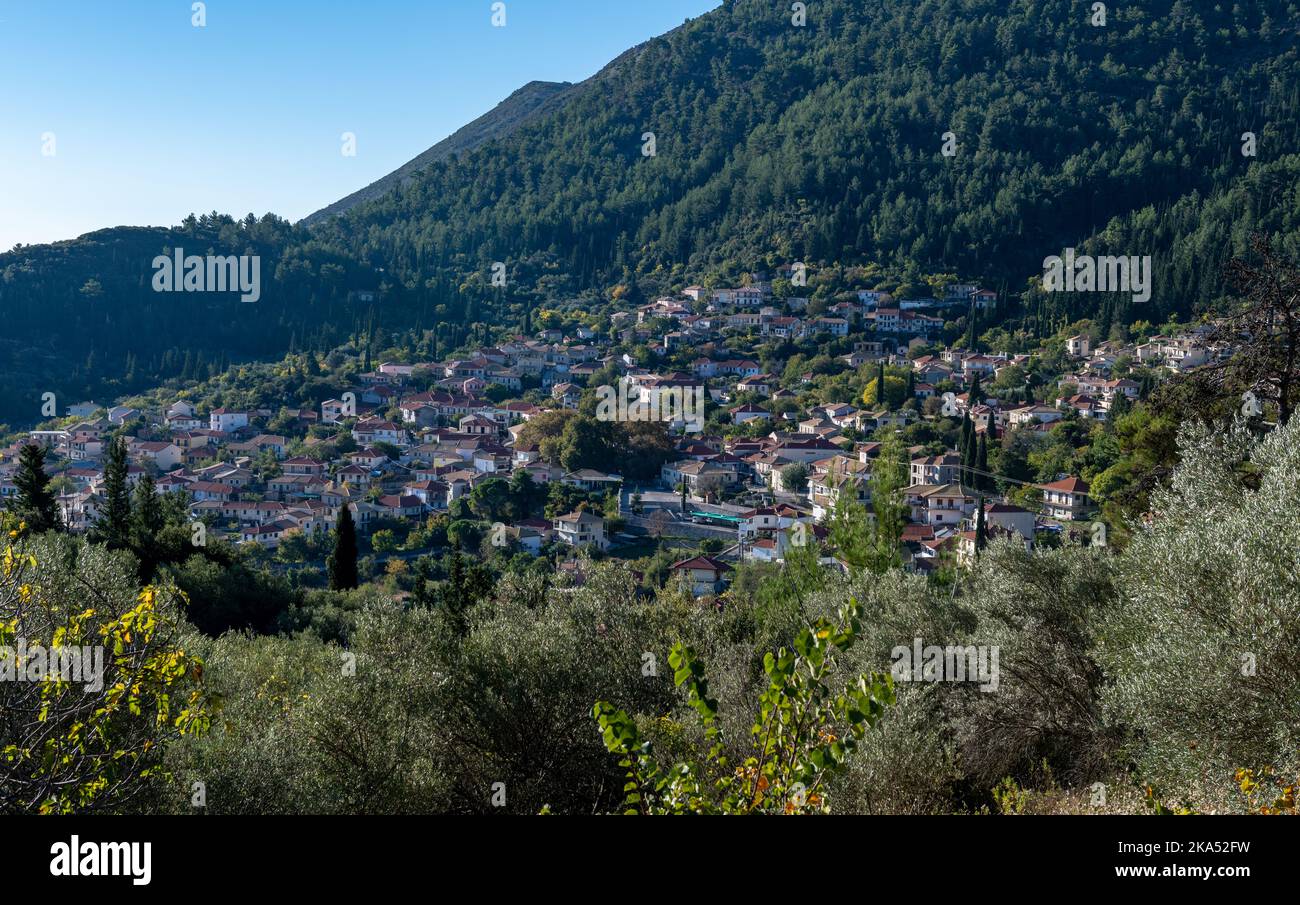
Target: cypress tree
(964,449)
(968,460)
(343,561)
(35,503)
(981,531)
(982,479)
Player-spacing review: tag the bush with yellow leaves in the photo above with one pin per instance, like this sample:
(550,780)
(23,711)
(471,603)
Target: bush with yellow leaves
(93,682)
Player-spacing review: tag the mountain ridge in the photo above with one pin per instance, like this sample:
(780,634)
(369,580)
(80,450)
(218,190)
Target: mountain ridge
(524,104)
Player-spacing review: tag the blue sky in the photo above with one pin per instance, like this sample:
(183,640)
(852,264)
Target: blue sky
(153,118)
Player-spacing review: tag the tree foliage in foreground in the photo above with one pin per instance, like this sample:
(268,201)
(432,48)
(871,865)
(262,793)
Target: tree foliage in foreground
(805,731)
(93,680)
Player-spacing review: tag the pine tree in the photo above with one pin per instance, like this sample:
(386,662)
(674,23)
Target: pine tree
(147,513)
(35,502)
(114,524)
(147,520)
(342,562)
(467,583)
(1118,408)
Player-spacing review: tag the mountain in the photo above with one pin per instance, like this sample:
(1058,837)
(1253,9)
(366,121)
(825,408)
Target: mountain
(773,143)
(521,107)
(823,143)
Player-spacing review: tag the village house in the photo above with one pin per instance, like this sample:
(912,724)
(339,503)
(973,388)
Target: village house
(163,456)
(1030,414)
(707,576)
(847,477)
(578,529)
(120,414)
(1010,517)
(943,506)
(700,477)
(373,430)
(227,421)
(590,479)
(303,465)
(201,491)
(1067,500)
(935,470)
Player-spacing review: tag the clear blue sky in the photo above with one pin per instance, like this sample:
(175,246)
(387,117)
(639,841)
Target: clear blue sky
(153,118)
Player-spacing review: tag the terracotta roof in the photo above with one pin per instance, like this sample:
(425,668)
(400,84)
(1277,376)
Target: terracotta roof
(1071,484)
(703,563)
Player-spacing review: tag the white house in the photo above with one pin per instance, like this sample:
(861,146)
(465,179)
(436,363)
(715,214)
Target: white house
(578,529)
(1066,499)
(225,420)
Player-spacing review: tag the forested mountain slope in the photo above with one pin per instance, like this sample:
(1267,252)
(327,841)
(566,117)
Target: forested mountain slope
(519,108)
(823,143)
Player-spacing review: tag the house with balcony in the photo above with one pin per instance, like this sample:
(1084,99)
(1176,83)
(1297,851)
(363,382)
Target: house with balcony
(1067,500)
(578,529)
(943,506)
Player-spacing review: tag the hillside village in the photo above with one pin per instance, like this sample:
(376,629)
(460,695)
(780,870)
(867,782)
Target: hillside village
(408,442)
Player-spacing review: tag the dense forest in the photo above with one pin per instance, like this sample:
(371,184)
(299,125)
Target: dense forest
(772,143)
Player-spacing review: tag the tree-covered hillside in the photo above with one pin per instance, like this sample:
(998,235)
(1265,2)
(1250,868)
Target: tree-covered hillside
(823,143)
(773,143)
(521,107)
